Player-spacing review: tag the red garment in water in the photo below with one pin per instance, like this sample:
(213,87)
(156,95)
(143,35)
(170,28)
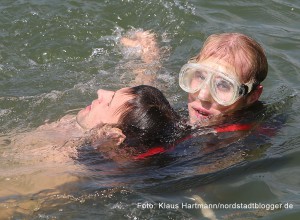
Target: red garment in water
(228,128)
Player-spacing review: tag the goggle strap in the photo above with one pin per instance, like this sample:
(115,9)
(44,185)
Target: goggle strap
(248,87)
(244,90)
(192,60)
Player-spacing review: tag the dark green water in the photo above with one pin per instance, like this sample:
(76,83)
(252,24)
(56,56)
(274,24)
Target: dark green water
(54,55)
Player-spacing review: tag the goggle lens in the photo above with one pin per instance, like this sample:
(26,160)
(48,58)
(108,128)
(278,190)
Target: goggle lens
(223,88)
(189,80)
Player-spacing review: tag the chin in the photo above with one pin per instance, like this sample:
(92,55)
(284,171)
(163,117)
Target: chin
(199,118)
(80,118)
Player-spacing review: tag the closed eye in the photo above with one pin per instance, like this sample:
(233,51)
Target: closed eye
(111,99)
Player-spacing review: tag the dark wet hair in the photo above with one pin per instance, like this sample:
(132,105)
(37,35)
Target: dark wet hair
(147,120)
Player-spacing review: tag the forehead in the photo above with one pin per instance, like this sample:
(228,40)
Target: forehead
(121,96)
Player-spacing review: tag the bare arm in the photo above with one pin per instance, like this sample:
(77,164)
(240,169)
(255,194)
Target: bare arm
(143,44)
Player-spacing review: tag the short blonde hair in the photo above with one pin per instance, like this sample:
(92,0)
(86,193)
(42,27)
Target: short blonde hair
(239,50)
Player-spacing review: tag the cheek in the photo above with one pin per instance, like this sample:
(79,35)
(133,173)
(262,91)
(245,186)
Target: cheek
(194,83)
(223,109)
(104,115)
(192,97)
(235,106)
(97,115)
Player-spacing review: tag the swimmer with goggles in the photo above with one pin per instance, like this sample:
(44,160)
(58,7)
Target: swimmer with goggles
(225,89)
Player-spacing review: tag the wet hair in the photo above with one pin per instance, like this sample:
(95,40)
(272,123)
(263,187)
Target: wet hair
(239,50)
(147,120)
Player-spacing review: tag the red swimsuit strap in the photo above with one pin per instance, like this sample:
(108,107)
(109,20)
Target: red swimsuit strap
(161,149)
(234,127)
(151,152)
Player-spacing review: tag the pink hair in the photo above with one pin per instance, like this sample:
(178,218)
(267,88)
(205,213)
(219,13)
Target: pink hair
(239,50)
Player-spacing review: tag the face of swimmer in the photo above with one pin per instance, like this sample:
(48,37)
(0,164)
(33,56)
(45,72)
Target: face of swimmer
(104,109)
(201,104)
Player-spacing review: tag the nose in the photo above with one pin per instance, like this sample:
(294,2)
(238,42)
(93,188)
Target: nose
(105,96)
(204,93)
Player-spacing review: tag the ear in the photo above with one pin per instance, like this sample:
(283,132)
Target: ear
(254,95)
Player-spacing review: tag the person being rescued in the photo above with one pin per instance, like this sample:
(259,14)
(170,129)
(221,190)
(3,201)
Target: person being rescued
(130,122)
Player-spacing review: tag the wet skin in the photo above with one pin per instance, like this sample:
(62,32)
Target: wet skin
(104,109)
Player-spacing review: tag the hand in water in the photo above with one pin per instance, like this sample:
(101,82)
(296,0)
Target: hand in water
(107,138)
(146,42)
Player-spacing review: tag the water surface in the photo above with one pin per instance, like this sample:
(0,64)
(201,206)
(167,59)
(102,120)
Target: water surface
(54,55)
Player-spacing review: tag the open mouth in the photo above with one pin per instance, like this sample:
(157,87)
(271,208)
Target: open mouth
(201,114)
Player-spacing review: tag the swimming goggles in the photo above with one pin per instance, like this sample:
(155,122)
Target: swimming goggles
(225,89)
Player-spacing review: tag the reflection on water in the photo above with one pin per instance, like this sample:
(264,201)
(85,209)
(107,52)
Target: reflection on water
(55,55)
